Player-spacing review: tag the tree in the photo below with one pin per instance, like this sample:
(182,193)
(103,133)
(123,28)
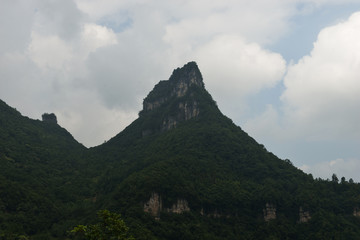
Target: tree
(109,227)
(335,178)
(343,180)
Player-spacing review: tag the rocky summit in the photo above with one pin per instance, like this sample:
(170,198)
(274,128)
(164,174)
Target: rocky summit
(176,92)
(177,86)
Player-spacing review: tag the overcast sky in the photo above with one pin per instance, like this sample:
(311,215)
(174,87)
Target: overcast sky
(286,71)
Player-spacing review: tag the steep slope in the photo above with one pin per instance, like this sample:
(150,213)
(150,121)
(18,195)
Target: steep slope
(182,155)
(180,125)
(37,166)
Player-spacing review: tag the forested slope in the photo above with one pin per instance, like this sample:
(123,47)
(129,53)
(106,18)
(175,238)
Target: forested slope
(40,179)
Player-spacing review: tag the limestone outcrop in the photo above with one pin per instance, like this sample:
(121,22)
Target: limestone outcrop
(181,80)
(304,216)
(177,98)
(269,212)
(154,206)
(356,212)
(49,117)
(148,106)
(190,110)
(180,206)
(185,111)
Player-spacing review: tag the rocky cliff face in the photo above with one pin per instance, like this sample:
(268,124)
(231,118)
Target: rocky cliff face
(180,206)
(304,216)
(49,117)
(154,206)
(176,95)
(148,106)
(178,85)
(269,212)
(185,111)
(356,212)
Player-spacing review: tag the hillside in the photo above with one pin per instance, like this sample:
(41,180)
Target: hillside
(39,173)
(182,170)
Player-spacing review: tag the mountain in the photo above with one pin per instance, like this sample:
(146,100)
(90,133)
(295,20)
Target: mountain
(200,176)
(182,170)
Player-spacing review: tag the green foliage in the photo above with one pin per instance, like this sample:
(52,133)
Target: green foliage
(40,181)
(109,227)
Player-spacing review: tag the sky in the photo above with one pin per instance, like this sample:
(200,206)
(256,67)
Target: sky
(286,71)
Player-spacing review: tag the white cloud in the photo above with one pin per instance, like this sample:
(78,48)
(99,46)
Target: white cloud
(245,68)
(319,115)
(16,19)
(97,9)
(120,76)
(49,51)
(84,116)
(234,69)
(267,126)
(95,36)
(61,18)
(322,2)
(197,22)
(323,89)
(22,88)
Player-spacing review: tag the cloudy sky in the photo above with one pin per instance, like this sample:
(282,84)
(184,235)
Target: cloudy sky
(286,71)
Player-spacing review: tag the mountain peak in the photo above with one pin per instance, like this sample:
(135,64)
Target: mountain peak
(175,100)
(188,74)
(177,86)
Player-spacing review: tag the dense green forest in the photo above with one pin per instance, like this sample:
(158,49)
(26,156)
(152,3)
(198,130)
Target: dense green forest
(209,178)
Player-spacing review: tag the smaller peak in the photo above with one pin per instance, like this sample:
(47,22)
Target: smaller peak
(49,117)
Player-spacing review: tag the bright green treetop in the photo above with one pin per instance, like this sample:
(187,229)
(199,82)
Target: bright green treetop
(109,227)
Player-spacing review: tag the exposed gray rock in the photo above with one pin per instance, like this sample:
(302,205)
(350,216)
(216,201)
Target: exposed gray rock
(49,117)
(177,86)
(304,216)
(180,206)
(269,212)
(154,205)
(169,123)
(173,92)
(148,106)
(190,110)
(356,212)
